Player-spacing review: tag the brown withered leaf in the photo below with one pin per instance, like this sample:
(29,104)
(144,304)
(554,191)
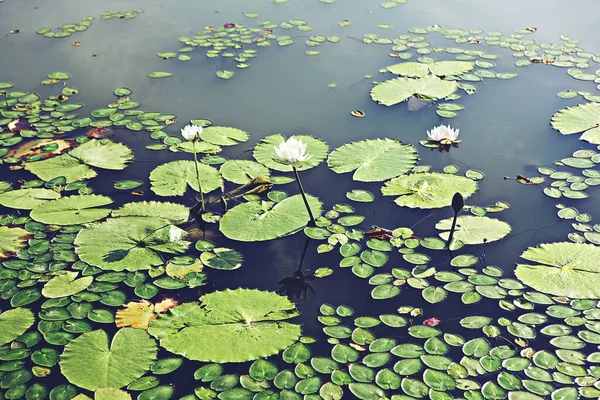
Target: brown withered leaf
(37,147)
(139,314)
(99,133)
(18,124)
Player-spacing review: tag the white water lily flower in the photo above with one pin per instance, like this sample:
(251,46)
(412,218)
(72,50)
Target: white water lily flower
(191,132)
(443,134)
(291,152)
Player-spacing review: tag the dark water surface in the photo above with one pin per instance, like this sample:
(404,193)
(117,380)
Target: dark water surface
(504,127)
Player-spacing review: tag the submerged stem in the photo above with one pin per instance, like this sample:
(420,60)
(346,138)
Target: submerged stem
(310,214)
(452,229)
(198,174)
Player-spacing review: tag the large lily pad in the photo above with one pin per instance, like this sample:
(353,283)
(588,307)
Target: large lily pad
(129,243)
(579,118)
(562,269)
(75,165)
(395,91)
(110,393)
(228,326)
(265,151)
(65,285)
(223,135)
(428,190)
(474,230)
(13,323)
(176,213)
(439,68)
(173,178)
(257,221)
(11,240)
(103,154)
(243,171)
(373,160)
(27,199)
(91,362)
(65,165)
(72,210)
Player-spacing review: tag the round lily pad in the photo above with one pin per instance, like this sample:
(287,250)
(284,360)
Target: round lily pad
(253,221)
(228,326)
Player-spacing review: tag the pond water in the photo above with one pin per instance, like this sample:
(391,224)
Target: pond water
(416,320)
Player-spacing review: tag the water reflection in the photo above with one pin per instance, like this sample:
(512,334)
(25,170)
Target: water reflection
(297,287)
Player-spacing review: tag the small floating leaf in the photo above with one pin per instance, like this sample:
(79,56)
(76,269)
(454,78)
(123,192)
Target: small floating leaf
(225,74)
(159,74)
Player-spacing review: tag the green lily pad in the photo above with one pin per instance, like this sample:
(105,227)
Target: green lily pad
(27,199)
(13,323)
(59,75)
(428,190)
(222,258)
(129,243)
(361,196)
(223,135)
(225,74)
(243,171)
(127,184)
(580,118)
(159,74)
(72,210)
(373,160)
(562,269)
(75,165)
(65,285)
(129,356)
(395,91)
(439,68)
(265,151)
(474,230)
(228,326)
(176,213)
(256,221)
(173,178)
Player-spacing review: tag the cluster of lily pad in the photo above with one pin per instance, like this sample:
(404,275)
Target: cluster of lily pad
(240,43)
(90,262)
(431,80)
(74,262)
(66,30)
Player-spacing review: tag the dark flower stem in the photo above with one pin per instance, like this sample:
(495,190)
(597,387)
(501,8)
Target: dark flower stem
(198,174)
(310,214)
